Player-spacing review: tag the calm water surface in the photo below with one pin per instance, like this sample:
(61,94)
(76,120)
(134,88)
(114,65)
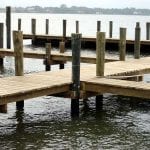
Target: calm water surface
(46,122)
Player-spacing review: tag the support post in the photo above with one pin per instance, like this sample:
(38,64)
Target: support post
(64,29)
(33,29)
(110,29)
(19,24)
(18,52)
(48,57)
(8,26)
(3,108)
(61,50)
(98,26)
(148,31)
(77,26)
(100,62)
(47,26)
(137,41)
(122,44)
(76,46)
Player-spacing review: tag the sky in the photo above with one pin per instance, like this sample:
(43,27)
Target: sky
(87,3)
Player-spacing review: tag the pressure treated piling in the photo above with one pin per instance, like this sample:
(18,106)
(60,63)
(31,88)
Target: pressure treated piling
(18,52)
(19,24)
(122,44)
(77,26)
(33,29)
(148,31)
(110,29)
(100,62)
(98,26)
(8,26)
(76,46)
(61,50)
(137,41)
(48,57)
(3,108)
(64,29)
(47,26)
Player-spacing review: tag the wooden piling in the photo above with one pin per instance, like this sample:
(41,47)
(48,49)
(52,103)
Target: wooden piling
(100,54)
(18,52)
(137,41)
(110,29)
(33,29)
(64,29)
(61,50)
(77,26)
(8,26)
(98,26)
(100,62)
(47,26)
(3,108)
(76,46)
(48,57)
(122,44)
(148,31)
(19,24)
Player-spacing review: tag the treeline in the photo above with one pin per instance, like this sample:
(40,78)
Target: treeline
(79,10)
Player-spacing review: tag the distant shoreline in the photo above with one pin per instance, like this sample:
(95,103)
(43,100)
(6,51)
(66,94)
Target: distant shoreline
(63,9)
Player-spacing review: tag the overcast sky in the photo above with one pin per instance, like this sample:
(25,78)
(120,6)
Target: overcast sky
(87,3)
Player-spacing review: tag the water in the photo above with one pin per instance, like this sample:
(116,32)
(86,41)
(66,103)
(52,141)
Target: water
(46,122)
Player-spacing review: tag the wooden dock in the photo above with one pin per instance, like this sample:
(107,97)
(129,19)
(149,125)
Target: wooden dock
(56,82)
(86,42)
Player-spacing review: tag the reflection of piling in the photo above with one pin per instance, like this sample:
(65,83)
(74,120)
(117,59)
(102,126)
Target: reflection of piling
(76,45)
(100,62)
(8,26)
(122,44)
(18,52)
(3,108)
(137,41)
(61,50)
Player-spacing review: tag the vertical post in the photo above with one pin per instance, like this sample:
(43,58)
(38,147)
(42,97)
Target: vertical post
(61,50)
(76,45)
(137,41)
(3,108)
(122,44)
(110,29)
(98,26)
(64,29)
(33,29)
(77,26)
(48,57)
(19,24)
(18,52)
(47,26)
(8,26)
(148,31)
(100,62)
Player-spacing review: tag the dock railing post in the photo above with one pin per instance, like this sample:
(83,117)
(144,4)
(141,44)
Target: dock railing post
(8,26)
(122,44)
(33,30)
(47,27)
(77,26)
(100,62)
(19,24)
(76,46)
(48,57)
(148,31)
(18,52)
(61,50)
(64,29)
(98,26)
(137,41)
(3,108)
(110,29)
